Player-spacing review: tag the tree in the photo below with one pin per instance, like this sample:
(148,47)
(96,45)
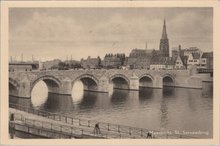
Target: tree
(99,60)
(67,66)
(61,65)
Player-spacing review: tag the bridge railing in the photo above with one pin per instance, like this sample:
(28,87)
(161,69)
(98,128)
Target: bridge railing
(110,130)
(71,131)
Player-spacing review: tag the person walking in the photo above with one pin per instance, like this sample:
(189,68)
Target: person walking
(97,129)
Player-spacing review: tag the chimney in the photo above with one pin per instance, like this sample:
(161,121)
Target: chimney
(146,45)
(21,57)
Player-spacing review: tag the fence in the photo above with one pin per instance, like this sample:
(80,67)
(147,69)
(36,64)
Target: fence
(49,129)
(108,130)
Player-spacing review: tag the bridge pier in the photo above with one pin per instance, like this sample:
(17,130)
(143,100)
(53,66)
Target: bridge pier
(24,88)
(65,88)
(104,85)
(134,83)
(158,82)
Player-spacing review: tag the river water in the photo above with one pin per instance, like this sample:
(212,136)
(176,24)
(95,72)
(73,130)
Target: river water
(176,109)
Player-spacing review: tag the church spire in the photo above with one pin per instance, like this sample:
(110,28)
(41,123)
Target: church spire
(164,41)
(164,33)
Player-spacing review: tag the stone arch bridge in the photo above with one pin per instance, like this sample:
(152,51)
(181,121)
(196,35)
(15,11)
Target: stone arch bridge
(100,80)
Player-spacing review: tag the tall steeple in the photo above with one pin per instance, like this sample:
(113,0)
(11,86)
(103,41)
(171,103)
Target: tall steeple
(164,41)
(164,33)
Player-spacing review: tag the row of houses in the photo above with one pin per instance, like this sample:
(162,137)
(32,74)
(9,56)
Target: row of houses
(153,59)
(184,59)
(137,59)
(193,56)
(202,61)
(109,61)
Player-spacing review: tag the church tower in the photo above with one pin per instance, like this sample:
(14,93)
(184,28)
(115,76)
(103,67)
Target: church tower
(164,42)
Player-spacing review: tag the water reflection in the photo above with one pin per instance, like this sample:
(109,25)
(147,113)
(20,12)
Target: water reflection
(119,97)
(164,113)
(207,91)
(168,108)
(77,92)
(168,91)
(57,103)
(39,94)
(89,100)
(145,94)
(20,101)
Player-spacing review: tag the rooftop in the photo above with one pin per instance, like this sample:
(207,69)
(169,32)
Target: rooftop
(207,55)
(163,60)
(196,55)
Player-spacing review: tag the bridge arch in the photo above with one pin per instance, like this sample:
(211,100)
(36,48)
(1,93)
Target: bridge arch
(119,81)
(168,79)
(13,87)
(90,82)
(146,80)
(53,83)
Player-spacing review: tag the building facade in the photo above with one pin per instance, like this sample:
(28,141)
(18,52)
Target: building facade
(90,63)
(139,59)
(113,60)
(162,63)
(189,51)
(206,60)
(23,66)
(193,59)
(138,63)
(181,62)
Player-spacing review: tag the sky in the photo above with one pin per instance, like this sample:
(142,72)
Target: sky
(55,33)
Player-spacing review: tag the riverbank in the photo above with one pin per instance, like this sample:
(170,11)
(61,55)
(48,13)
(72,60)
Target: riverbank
(60,128)
(43,127)
(55,126)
